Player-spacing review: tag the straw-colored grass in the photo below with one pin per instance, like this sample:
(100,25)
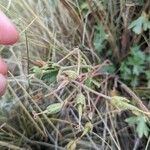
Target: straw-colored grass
(57,36)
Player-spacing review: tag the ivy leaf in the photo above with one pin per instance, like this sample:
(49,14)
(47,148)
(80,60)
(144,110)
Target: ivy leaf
(140,24)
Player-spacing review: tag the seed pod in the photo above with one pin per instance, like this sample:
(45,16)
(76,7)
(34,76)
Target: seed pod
(54,108)
(87,128)
(80,99)
(80,104)
(123,104)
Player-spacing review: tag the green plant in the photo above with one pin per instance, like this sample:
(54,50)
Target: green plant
(148,77)
(140,121)
(140,24)
(134,66)
(65,104)
(100,38)
(141,124)
(47,73)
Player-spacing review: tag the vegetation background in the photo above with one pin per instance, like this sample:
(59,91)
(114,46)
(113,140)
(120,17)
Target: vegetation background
(79,77)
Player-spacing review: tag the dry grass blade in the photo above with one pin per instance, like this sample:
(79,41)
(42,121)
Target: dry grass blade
(66,71)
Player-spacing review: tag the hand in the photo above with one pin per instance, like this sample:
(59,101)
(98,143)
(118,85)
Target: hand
(8,36)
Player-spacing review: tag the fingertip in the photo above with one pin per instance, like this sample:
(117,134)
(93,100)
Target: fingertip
(8,32)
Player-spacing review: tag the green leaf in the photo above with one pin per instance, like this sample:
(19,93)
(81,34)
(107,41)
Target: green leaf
(80,99)
(109,68)
(132,120)
(142,128)
(89,82)
(148,77)
(148,74)
(87,128)
(50,75)
(81,104)
(71,145)
(133,66)
(37,72)
(100,38)
(138,69)
(141,125)
(71,74)
(54,108)
(140,24)
(92,83)
(96,83)
(83,7)
(134,81)
(124,104)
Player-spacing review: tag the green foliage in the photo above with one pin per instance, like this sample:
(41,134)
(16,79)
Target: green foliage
(70,74)
(80,104)
(71,145)
(140,120)
(140,24)
(124,104)
(50,75)
(46,73)
(80,99)
(53,108)
(87,128)
(148,77)
(90,82)
(140,123)
(84,7)
(109,69)
(37,72)
(53,31)
(100,38)
(133,66)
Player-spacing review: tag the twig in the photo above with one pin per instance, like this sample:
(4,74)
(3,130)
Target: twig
(10,146)
(91,90)
(136,99)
